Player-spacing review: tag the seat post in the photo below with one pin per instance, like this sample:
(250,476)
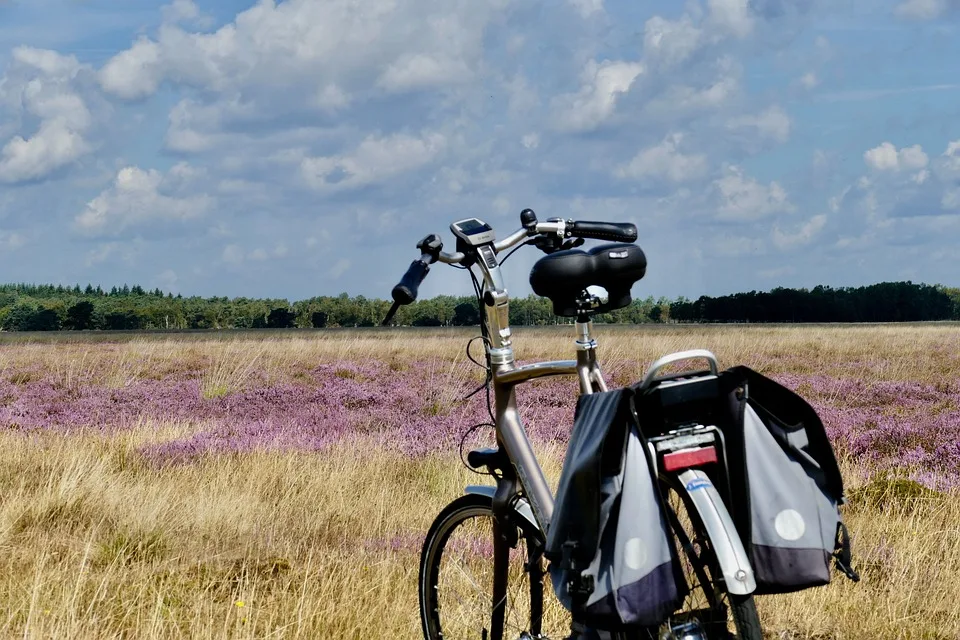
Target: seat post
(584,340)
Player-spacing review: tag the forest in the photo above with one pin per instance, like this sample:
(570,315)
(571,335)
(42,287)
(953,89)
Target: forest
(30,307)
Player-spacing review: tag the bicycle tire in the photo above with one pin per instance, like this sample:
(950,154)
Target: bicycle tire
(742,609)
(433,602)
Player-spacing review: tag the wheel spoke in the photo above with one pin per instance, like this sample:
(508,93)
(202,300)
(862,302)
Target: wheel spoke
(462,579)
(707,601)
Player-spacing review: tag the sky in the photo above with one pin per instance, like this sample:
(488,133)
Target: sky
(301,148)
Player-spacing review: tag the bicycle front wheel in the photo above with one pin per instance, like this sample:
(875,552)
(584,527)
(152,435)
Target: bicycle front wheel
(458,569)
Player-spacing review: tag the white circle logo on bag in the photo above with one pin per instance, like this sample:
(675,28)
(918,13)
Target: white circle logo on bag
(790,525)
(635,553)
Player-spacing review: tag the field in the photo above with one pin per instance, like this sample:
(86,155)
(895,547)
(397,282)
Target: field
(278,485)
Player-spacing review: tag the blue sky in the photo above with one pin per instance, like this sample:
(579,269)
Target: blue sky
(301,148)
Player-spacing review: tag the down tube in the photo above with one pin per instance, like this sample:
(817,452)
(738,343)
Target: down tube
(513,438)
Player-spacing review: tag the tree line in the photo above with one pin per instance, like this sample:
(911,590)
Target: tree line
(28,307)
(882,302)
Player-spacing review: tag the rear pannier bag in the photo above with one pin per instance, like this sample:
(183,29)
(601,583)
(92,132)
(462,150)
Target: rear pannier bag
(613,561)
(785,486)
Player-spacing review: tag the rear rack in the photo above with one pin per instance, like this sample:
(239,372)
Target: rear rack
(651,377)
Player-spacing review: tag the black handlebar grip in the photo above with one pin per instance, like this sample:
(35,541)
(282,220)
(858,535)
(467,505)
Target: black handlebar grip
(406,290)
(614,231)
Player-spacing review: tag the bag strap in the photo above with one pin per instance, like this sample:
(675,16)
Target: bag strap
(634,418)
(842,555)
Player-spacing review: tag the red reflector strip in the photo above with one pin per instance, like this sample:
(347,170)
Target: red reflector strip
(689,458)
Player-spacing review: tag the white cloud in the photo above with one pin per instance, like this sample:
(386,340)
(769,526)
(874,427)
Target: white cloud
(835,202)
(49,63)
(135,73)
(419,70)
(196,127)
(809,80)
(670,42)
(374,160)
(682,99)
(673,42)
(731,246)
(951,200)
(743,199)
(530,141)
(587,8)
(947,165)
(665,162)
(107,251)
(773,124)
(886,157)
(139,197)
(235,254)
(731,17)
(185,12)
(167,281)
(331,98)
(801,236)
(595,102)
(306,60)
(922,9)
(41,85)
(339,268)
(304,44)
(53,146)
(232,254)
(11,240)
(778,272)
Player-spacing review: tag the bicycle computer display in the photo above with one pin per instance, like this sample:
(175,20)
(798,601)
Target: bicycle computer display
(473,231)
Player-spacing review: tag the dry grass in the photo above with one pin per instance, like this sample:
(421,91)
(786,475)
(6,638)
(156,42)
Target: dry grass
(96,544)
(928,351)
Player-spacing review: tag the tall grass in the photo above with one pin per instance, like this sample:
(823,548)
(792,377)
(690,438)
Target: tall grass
(98,541)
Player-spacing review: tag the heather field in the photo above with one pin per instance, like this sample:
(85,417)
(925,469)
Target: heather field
(278,484)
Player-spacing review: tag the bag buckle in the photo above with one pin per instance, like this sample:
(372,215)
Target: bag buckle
(579,586)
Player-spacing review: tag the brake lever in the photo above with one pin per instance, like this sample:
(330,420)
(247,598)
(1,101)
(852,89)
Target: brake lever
(551,244)
(547,244)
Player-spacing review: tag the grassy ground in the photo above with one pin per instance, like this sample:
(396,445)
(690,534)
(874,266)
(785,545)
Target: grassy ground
(100,538)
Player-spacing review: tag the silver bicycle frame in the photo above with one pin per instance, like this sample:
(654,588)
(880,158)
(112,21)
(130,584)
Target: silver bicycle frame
(512,436)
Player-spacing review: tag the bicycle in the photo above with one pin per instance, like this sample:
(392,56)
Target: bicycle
(504,526)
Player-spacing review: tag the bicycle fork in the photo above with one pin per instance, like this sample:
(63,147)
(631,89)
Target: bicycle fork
(503,540)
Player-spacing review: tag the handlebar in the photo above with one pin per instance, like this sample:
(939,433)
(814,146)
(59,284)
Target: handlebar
(614,231)
(406,290)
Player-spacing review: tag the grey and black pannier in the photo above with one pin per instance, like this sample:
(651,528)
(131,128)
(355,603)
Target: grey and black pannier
(613,560)
(785,485)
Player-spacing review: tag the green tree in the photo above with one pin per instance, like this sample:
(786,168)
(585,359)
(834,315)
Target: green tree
(280,319)
(466,314)
(80,316)
(26,315)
